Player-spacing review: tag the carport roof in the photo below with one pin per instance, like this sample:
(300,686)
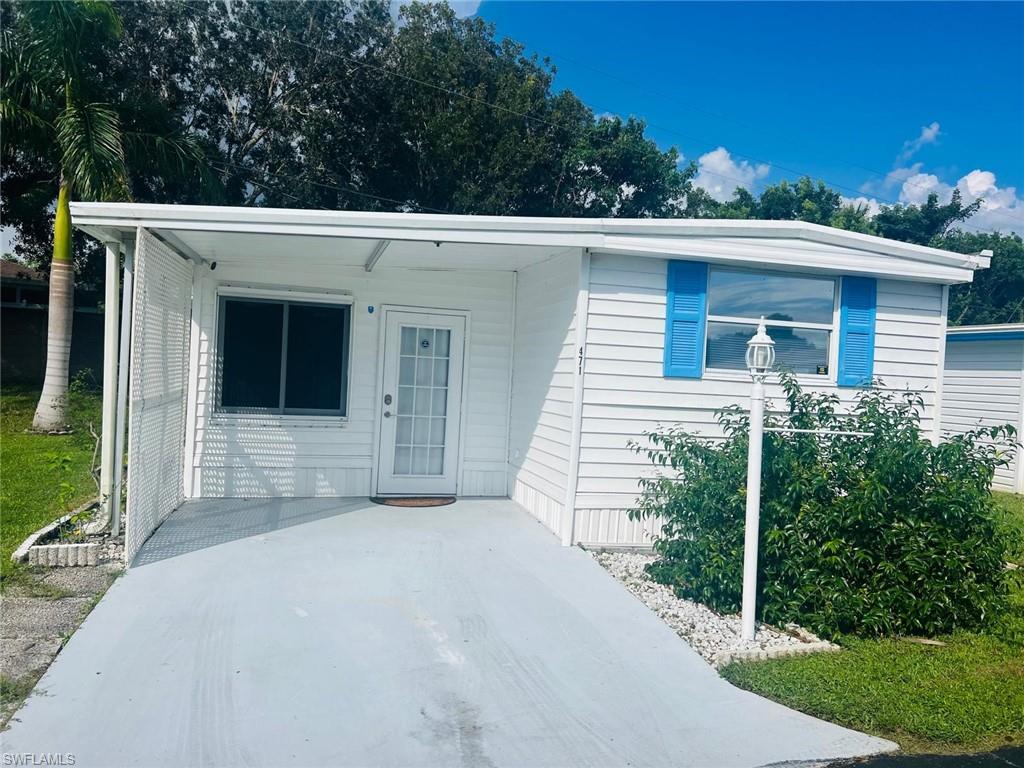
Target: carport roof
(514,241)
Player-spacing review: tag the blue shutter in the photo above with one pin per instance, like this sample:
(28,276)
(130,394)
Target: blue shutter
(685,315)
(857,332)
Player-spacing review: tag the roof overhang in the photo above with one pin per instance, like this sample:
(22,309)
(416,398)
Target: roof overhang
(215,232)
(1006,332)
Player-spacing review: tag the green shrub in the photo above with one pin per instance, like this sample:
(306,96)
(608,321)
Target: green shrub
(879,535)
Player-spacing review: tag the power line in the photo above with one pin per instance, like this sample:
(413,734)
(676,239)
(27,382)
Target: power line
(662,94)
(545,121)
(446,90)
(527,116)
(335,187)
(499,107)
(266,187)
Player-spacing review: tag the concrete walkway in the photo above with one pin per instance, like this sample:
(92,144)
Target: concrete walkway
(340,633)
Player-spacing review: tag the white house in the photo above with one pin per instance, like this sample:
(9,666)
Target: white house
(983,386)
(312,353)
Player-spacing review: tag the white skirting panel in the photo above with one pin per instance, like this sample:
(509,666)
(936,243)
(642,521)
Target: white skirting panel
(542,507)
(613,528)
(484,482)
(305,482)
(261,482)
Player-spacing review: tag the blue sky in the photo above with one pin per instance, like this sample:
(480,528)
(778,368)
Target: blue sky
(885,101)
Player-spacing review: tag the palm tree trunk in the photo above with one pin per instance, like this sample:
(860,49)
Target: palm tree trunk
(51,412)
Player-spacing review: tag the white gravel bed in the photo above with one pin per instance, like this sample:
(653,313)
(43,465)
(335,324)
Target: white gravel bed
(714,636)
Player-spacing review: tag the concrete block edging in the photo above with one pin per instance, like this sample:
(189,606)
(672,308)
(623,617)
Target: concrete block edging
(57,554)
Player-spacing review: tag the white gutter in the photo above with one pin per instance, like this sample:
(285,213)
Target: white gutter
(967,330)
(488,229)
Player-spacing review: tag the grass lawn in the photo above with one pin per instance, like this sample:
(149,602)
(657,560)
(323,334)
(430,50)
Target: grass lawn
(33,467)
(1012,505)
(964,696)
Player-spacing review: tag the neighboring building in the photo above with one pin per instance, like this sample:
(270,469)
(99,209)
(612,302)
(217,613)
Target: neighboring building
(311,353)
(21,284)
(24,297)
(984,386)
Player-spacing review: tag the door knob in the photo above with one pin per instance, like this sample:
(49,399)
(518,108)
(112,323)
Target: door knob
(387,414)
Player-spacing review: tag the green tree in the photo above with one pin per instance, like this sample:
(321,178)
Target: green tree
(805,200)
(854,217)
(333,105)
(60,131)
(457,120)
(923,224)
(997,293)
(995,296)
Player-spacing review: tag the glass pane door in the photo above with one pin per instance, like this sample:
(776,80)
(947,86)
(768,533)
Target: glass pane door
(420,403)
(421,428)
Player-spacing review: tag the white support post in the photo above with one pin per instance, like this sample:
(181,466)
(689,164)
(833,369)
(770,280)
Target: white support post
(110,352)
(753,517)
(568,521)
(122,383)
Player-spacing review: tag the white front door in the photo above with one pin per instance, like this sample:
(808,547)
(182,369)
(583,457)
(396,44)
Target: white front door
(420,403)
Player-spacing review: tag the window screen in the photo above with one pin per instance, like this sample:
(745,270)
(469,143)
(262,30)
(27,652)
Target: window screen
(283,356)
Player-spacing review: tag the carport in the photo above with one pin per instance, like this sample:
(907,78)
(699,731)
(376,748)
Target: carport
(317,632)
(280,353)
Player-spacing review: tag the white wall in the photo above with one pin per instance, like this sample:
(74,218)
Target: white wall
(542,386)
(984,386)
(234,456)
(625,393)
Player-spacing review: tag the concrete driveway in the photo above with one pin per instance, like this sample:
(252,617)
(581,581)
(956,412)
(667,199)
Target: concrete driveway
(340,633)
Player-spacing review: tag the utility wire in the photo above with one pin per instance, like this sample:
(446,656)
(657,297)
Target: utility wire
(335,187)
(527,116)
(499,107)
(664,95)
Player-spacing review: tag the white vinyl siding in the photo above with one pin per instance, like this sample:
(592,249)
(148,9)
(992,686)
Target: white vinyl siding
(984,386)
(542,386)
(236,455)
(626,394)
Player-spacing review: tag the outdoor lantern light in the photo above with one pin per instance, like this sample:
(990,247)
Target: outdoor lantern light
(760,352)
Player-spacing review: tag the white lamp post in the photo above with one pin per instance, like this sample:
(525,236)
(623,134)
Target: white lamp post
(760,358)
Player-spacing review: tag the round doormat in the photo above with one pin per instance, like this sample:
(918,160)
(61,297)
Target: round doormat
(413,501)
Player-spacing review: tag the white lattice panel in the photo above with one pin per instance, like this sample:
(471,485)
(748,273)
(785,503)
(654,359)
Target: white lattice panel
(159,381)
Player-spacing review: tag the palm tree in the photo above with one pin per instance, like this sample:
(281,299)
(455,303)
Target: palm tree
(48,109)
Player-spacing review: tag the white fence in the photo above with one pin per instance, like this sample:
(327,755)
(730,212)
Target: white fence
(159,381)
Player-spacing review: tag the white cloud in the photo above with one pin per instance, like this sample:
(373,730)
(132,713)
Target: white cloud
(870,203)
(900,171)
(719,174)
(462,8)
(1002,209)
(917,187)
(897,176)
(928,135)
